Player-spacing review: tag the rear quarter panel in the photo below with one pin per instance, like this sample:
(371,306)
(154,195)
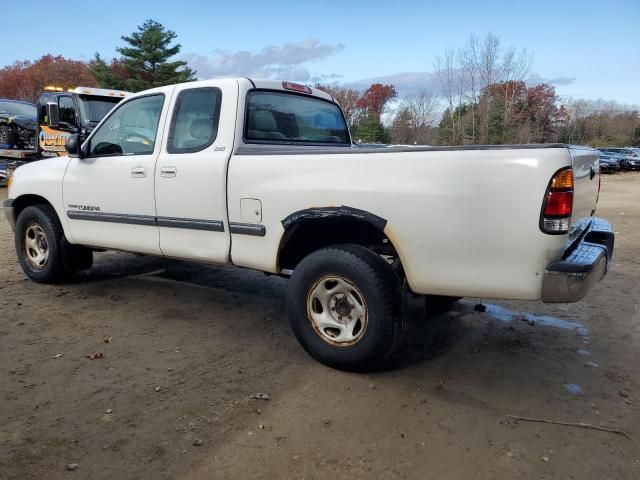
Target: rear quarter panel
(464,222)
(586,171)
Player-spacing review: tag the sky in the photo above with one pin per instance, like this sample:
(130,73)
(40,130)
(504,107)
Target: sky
(587,49)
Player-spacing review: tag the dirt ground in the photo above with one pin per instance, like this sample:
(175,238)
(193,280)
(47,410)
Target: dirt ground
(186,349)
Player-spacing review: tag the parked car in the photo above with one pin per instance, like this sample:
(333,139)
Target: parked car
(18,124)
(262,174)
(608,164)
(632,155)
(622,161)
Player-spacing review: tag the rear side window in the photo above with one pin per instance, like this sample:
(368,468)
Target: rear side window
(286,118)
(194,125)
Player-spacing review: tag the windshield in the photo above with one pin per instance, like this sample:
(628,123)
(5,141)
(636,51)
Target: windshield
(94,109)
(17,108)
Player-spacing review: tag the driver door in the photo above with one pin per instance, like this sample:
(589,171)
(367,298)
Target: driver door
(109,195)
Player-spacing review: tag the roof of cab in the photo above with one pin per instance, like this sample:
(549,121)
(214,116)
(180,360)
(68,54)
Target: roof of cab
(278,85)
(267,84)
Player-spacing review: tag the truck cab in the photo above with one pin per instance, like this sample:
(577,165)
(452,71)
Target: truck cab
(73,111)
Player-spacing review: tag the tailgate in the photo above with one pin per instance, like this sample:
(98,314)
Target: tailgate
(586,172)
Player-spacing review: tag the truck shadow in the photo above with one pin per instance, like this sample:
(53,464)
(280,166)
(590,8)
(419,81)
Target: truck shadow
(427,336)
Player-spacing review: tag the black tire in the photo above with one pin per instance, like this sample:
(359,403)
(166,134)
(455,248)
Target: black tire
(7,136)
(58,265)
(374,280)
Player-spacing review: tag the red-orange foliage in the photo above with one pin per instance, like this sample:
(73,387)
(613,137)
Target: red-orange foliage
(24,80)
(376,97)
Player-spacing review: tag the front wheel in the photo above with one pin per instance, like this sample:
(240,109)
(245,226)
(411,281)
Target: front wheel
(344,307)
(43,252)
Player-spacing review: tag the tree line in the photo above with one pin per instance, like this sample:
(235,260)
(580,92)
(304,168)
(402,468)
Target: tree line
(482,96)
(145,62)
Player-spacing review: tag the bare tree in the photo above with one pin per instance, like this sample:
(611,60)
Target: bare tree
(466,73)
(600,122)
(448,74)
(421,107)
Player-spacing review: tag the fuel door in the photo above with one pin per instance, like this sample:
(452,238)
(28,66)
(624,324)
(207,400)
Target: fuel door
(251,210)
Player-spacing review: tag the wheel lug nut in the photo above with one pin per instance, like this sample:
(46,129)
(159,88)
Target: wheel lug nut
(339,317)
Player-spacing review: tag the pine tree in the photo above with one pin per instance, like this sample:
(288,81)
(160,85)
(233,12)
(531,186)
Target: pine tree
(108,75)
(371,130)
(146,58)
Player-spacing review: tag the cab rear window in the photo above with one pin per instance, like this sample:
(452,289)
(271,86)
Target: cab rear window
(287,118)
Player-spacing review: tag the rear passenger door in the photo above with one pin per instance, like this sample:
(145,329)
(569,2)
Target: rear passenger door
(191,201)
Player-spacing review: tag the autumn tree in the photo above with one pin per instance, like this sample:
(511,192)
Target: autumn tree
(348,99)
(375,98)
(147,55)
(541,111)
(25,80)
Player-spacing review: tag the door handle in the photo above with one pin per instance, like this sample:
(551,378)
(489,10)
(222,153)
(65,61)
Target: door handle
(168,172)
(138,172)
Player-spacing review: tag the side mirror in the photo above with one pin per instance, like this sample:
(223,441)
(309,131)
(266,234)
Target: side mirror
(73,146)
(53,115)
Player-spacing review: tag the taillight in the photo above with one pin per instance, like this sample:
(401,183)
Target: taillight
(558,203)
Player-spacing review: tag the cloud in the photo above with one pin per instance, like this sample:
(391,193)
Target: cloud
(405,82)
(536,79)
(286,61)
(322,78)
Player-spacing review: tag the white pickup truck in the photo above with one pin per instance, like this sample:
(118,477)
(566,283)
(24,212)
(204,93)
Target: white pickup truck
(262,174)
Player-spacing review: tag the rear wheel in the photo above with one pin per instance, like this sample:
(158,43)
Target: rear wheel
(344,307)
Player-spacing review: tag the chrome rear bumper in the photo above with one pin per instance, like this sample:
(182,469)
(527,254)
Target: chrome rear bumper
(582,266)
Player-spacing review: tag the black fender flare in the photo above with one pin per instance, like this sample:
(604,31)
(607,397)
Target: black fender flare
(316,213)
(293,222)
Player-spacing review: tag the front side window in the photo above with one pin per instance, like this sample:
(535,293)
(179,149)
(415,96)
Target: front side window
(131,130)
(286,118)
(66,112)
(194,125)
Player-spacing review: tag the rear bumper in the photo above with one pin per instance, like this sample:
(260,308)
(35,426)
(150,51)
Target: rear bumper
(8,212)
(585,264)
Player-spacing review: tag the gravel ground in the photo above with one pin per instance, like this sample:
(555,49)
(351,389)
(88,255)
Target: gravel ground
(198,377)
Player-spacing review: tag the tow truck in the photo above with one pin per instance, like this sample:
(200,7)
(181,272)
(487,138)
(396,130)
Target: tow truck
(76,110)
(62,112)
